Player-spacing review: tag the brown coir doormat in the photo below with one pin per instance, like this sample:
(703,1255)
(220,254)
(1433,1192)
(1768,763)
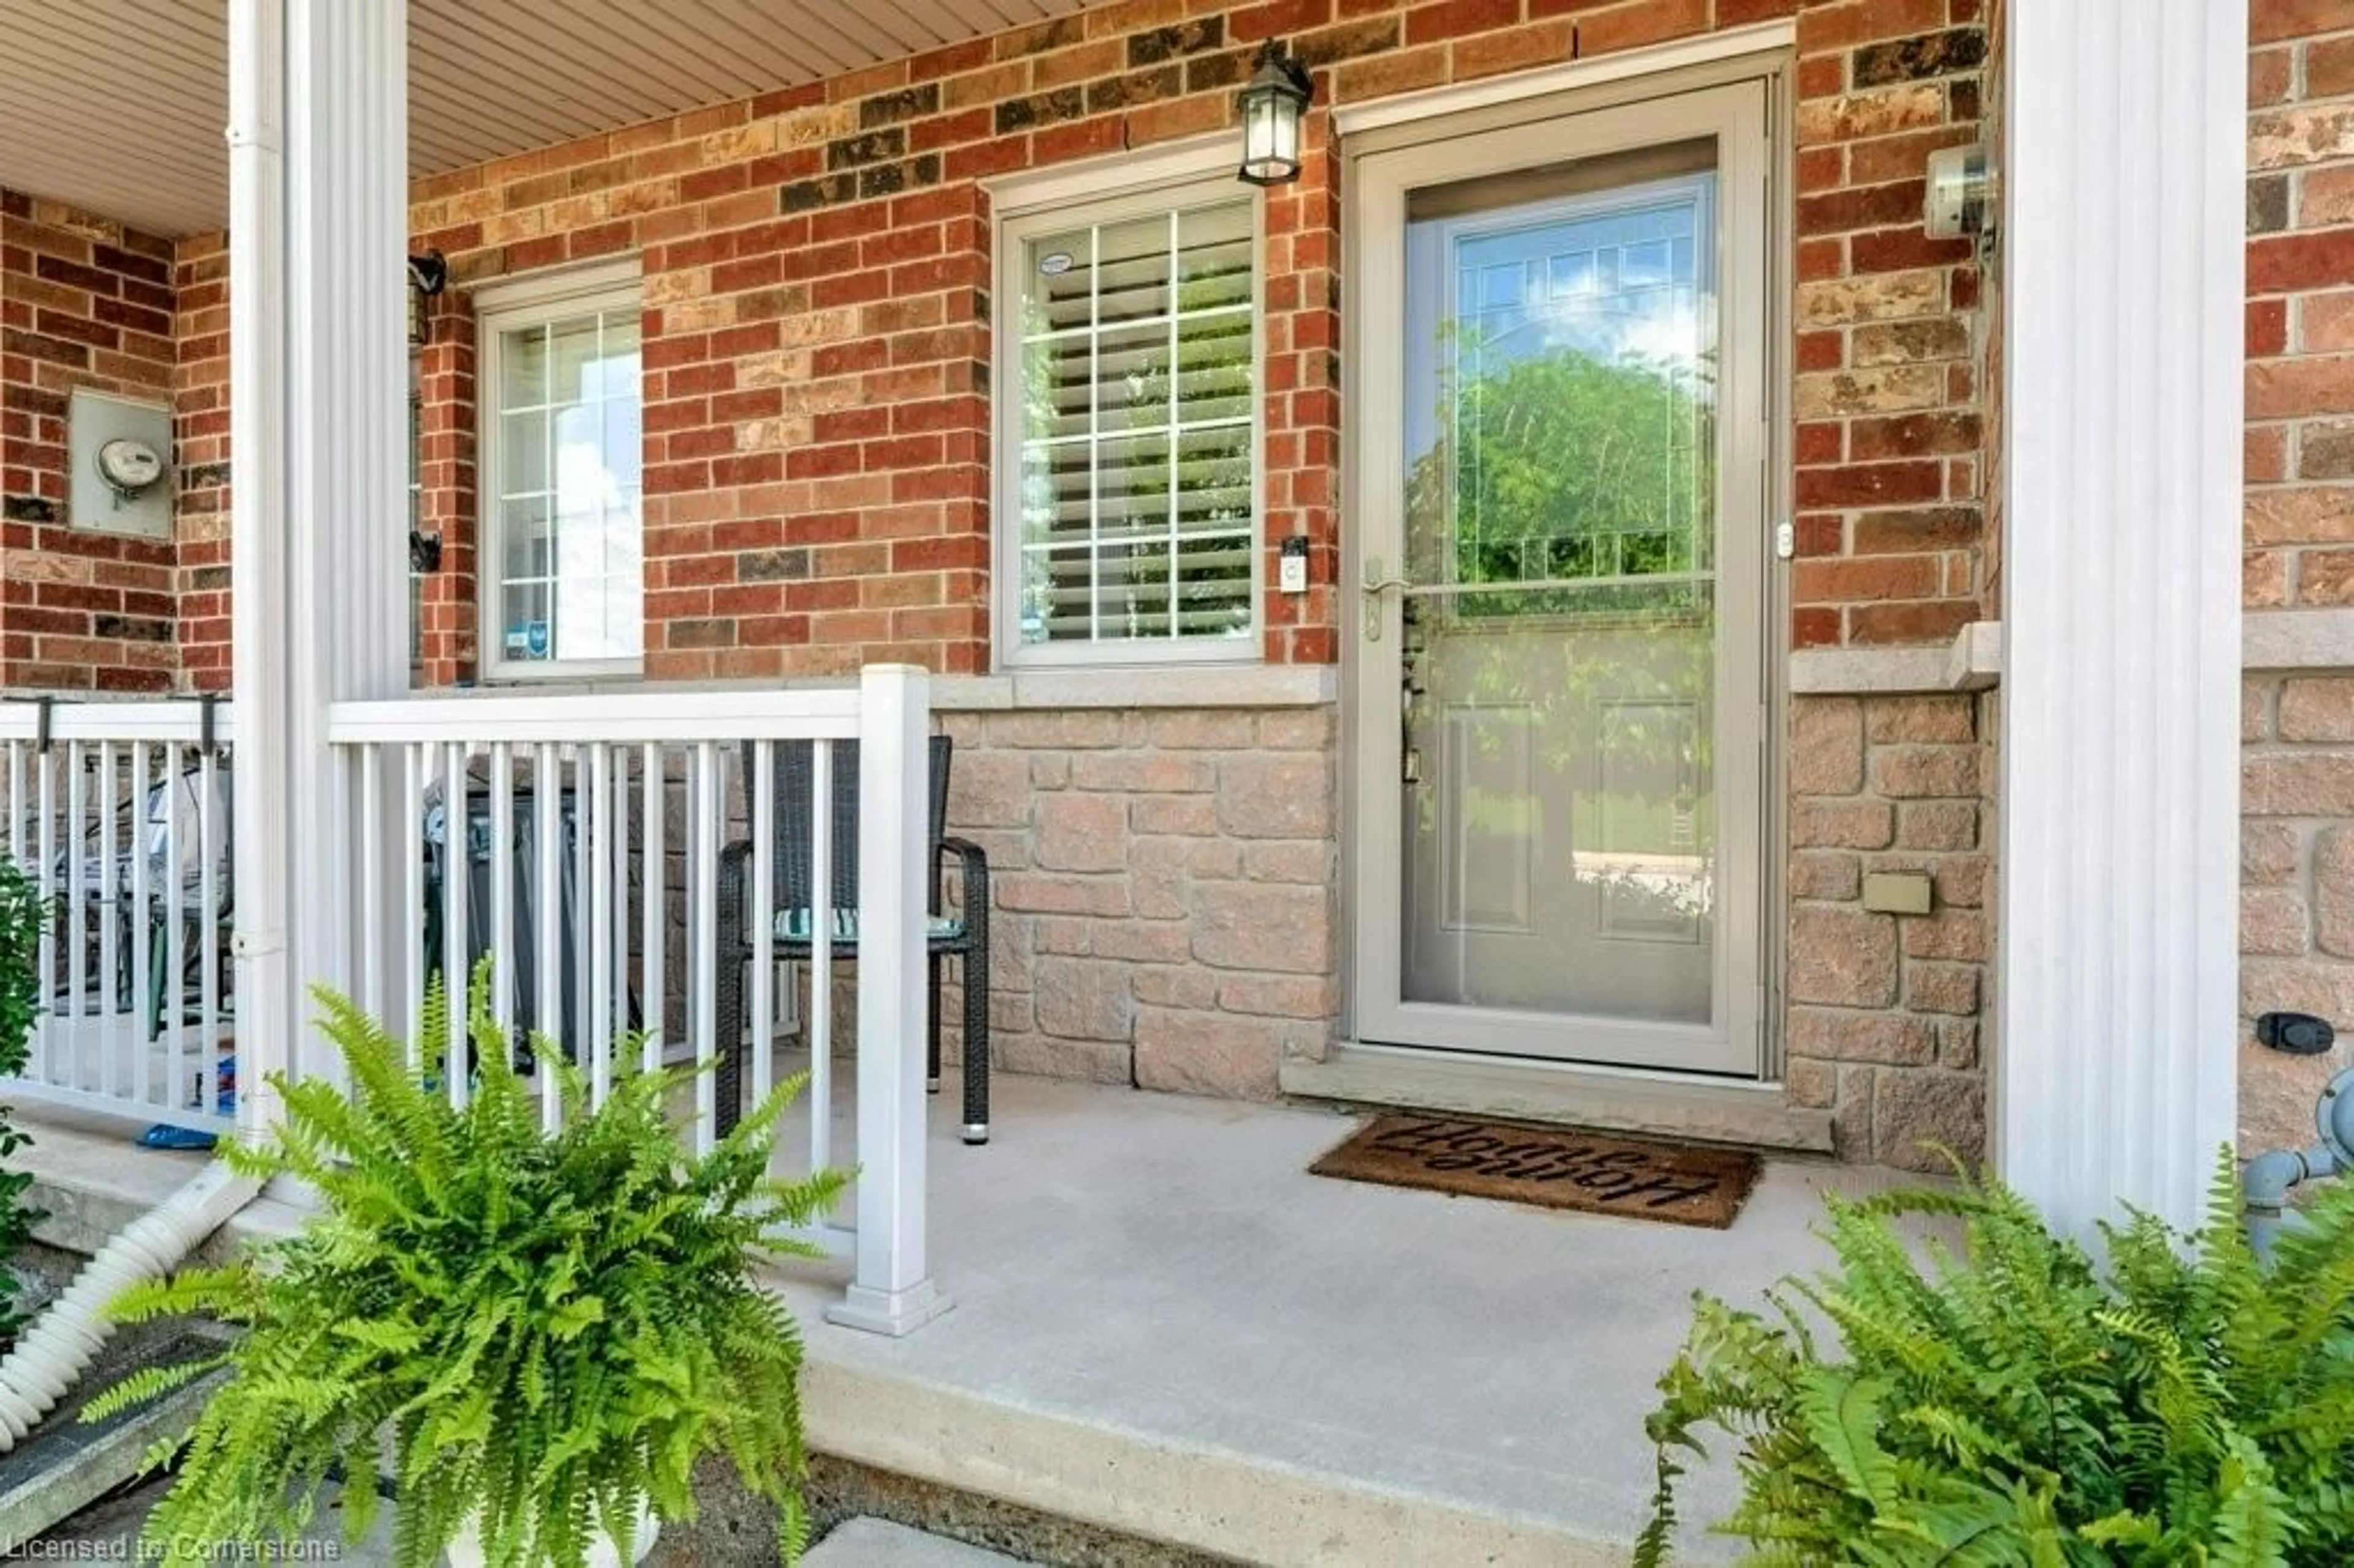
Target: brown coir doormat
(1683,1184)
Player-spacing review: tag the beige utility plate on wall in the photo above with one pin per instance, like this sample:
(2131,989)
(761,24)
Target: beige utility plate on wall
(118,451)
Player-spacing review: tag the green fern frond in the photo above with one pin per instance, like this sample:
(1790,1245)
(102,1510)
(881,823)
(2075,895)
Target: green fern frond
(538,1327)
(2017,1405)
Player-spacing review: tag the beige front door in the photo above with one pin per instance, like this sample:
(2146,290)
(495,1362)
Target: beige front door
(1558,468)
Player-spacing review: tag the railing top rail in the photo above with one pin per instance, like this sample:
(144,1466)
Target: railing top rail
(172,719)
(652,715)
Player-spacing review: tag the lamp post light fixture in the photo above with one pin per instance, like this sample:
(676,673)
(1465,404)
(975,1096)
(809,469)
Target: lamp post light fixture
(428,275)
(1273,105)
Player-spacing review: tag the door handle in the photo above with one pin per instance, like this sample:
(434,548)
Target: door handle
(1372,586)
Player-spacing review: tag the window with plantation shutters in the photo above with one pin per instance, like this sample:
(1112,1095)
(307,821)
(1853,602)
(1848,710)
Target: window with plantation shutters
(1131,461)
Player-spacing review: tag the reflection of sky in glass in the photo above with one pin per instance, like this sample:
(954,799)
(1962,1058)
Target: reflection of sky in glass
(570,489)
(1618,286)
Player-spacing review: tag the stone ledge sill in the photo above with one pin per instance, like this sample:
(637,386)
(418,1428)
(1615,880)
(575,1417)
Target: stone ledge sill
(2297,639)
(1207,686)
(1202,686)
(2269,639)
(1598,1099)
(1971,663)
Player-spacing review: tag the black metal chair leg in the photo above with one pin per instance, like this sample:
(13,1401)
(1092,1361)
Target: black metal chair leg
(976,1054)
(932,1025)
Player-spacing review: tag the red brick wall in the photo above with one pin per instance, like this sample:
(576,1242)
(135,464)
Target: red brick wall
(2300,452)
(446,603)
(816,268)
(1887,494)
(200,433)
(84,303)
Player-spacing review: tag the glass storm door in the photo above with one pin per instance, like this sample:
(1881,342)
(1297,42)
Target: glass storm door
(1562,591)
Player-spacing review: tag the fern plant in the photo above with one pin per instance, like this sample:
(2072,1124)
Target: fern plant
(22,918)
(534,1331)
(2018,1406)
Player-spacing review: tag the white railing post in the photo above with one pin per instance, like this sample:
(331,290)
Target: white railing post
(892,1290)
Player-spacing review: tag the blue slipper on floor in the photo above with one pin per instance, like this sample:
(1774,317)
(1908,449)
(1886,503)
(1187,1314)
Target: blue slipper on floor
(163,1135)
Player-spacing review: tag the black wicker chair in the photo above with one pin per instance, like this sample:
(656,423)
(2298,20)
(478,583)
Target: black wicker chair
(963,935)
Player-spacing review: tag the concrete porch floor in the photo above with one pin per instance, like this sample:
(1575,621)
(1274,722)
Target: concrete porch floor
(1164,1326)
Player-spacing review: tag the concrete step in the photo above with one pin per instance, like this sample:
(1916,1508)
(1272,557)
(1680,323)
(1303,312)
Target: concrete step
(877,1543)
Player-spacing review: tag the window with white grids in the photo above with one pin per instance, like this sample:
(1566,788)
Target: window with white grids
(1129,431)
(561,440)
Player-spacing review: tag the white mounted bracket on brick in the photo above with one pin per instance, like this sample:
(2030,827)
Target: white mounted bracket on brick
(1971,663)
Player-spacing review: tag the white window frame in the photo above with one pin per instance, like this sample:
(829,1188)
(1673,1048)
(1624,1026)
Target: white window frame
(499,309)
(1106,191)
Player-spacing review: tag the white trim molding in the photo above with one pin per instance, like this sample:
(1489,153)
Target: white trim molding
(2114,1065)
(1022,191)
(1676,54)
(553,299)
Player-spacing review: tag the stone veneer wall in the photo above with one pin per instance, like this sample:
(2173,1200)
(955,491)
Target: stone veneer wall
(2296,898)
(1883,1022)
(1166,909)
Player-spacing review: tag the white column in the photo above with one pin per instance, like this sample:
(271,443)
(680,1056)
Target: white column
(892,1290)
(2114,1068)
(318,238)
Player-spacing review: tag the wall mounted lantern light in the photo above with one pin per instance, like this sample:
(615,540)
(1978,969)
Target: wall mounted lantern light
(428,275)
(1273,105)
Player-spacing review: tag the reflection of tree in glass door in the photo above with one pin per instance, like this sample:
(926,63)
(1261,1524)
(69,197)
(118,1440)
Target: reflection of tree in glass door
(1560,513)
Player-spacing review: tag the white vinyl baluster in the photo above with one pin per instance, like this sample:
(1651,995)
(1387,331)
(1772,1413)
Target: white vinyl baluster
(142,918)
(702,933)
(176,1081)
(105,904)
(17,810)
(760,899)
(77,912)
(16,802)
(613,867)
(208,909)
(596,834)
(548,964)
(457,874)
(411,913)
(503,948)
(45,1033)
(370,760)
(655,913)
(575,1044)
(821,968)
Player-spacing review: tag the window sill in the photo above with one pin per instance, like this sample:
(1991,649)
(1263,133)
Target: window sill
(1202,686)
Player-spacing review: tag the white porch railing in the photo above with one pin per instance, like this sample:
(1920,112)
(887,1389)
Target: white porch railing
(121,811)
(601,912)
(577,905)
